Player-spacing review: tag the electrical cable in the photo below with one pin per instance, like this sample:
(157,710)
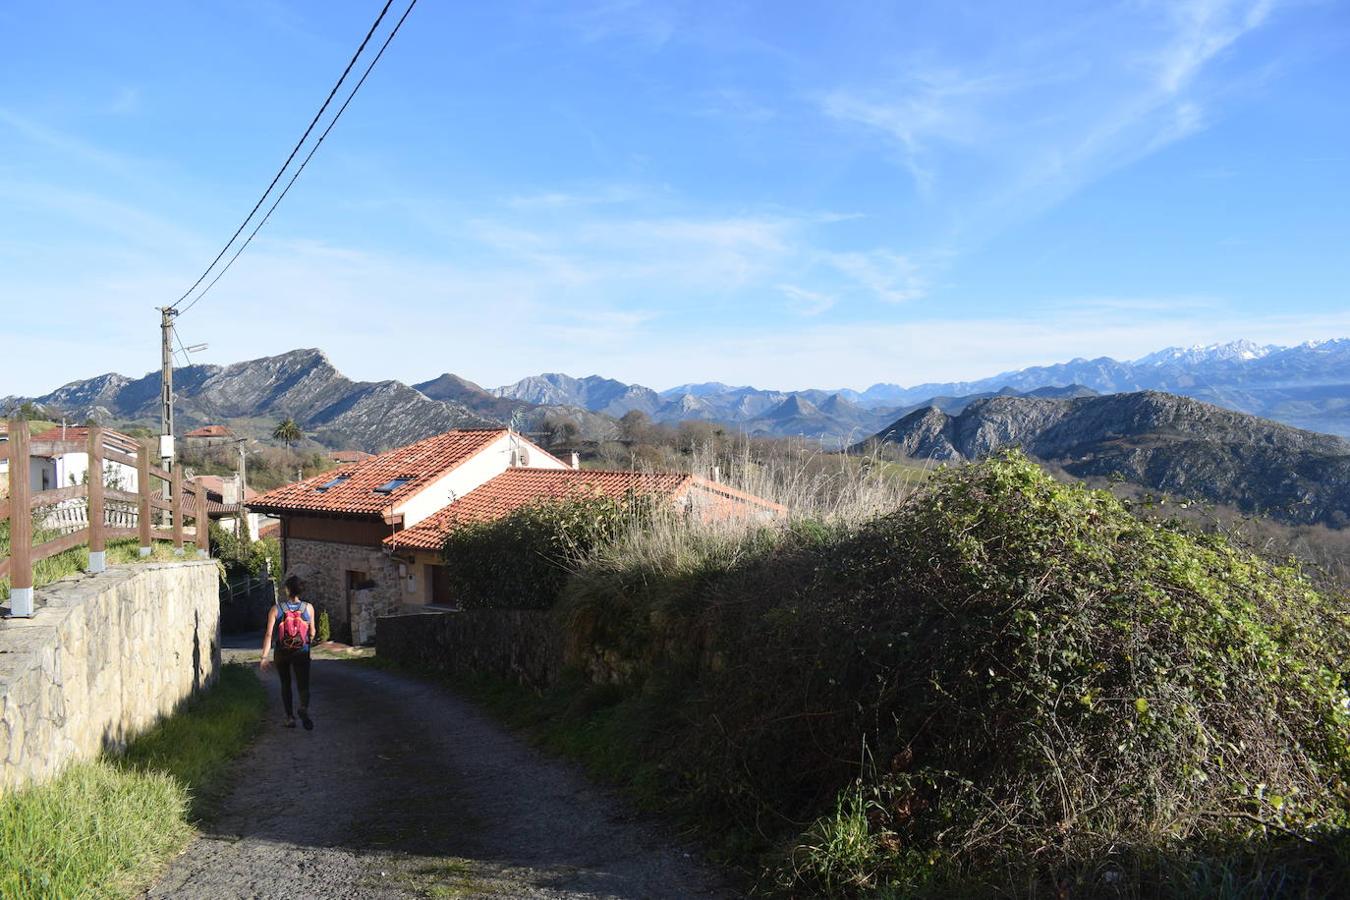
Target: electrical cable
(303,162)
(181,346)
(294,151)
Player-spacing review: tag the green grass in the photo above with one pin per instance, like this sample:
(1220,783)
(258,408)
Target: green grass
(103,828)
(122,551)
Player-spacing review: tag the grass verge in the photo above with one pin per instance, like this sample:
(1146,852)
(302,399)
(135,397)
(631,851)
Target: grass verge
(102,828)
(122,551)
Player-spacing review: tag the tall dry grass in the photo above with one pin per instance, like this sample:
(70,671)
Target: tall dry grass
(819,489)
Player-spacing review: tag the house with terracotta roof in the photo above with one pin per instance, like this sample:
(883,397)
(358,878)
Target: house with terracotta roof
(208,436)
(333,525)
(420,546)
(349,456)
(367,537)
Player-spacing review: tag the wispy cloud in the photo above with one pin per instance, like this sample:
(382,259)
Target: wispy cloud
(67,145)
(807,303)
(1200,31)
(888,276)
(599,195)
(126,101)
(734,103)
(646,23)
(997,143)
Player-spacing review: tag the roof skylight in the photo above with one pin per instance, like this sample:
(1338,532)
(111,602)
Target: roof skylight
(390,486)
(332,483)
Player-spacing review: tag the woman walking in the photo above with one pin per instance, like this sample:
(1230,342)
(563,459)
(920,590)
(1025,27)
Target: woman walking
(292,623)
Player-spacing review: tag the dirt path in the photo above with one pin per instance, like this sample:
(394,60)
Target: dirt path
(403,790)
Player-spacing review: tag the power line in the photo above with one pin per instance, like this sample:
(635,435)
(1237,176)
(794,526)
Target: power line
(187,356)
(294,151)
(303,162)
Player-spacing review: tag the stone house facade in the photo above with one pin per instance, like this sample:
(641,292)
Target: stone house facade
(333,526)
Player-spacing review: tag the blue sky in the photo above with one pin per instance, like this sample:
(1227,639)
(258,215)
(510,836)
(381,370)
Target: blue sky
(785,194)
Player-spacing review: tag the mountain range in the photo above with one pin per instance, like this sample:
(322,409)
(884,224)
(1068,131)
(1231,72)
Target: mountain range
(302,385)
(1307,386)
(1161,441)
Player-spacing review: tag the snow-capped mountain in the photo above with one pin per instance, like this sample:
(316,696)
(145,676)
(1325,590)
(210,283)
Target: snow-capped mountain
(1233,351)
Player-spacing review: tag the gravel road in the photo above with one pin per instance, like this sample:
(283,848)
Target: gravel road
(404,790)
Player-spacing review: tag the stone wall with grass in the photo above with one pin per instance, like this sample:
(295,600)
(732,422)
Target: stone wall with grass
(103,658)
(520,645)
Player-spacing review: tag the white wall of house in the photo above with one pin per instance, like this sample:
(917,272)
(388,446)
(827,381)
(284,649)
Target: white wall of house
(483,466)
(253,522)
(61,471)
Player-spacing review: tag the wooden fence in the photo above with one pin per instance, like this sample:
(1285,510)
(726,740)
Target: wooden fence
(155,511)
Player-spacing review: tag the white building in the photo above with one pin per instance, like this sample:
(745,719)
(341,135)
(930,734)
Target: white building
(59,457)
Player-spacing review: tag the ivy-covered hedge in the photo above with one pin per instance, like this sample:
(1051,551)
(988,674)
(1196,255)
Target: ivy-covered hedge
(1008,686)
(522,561)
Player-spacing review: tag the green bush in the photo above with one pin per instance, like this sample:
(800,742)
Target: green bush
(522,560)
(244,557)
(1017,685)
(323,629)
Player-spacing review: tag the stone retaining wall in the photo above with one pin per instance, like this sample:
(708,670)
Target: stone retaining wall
(522,645)
(103,658)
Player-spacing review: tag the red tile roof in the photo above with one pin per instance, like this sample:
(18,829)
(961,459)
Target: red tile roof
(113,439)
(213,483)
(354,494)
(349,456)
(515,488)
(209,431)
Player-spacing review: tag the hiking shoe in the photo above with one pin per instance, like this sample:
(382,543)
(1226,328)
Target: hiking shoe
(289,723)
(306,720)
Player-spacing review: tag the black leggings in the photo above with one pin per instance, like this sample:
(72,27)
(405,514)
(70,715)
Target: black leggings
(284,663)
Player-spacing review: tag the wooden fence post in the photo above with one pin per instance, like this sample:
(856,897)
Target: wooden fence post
(20,521)
(98,558)
(203,521)
(143,490)
(176,480)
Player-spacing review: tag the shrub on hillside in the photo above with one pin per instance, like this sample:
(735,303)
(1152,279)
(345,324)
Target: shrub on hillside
(1007,681)
(522,560)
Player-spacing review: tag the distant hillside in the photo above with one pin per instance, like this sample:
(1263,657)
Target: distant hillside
(1162,441)
(1307,386)
(604,395)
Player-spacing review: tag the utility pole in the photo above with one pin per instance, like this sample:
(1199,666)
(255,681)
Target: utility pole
(166,454)
(239,529)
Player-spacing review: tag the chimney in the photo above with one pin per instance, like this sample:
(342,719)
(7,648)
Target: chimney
(576,460)
(717,474)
